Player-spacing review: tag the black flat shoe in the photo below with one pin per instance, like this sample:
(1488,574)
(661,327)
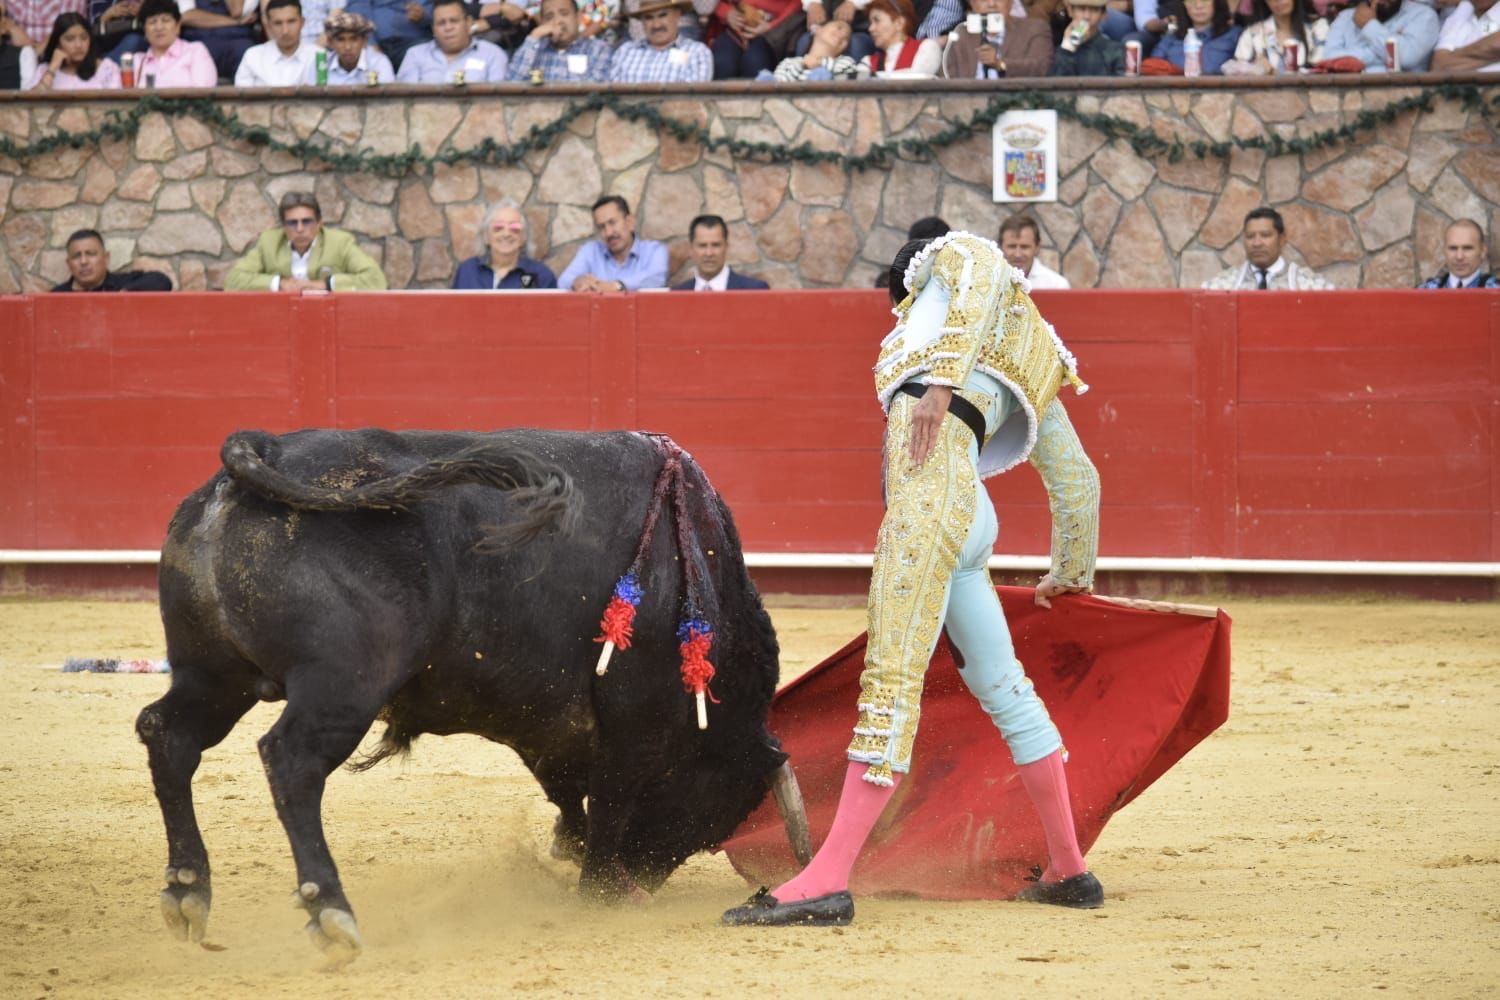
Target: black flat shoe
(1082,892)
(764,910)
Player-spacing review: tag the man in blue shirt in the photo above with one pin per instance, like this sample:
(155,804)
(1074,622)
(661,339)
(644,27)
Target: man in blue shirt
(555,48)
(616,261)
(1361,32)
(452,52)
(665,55)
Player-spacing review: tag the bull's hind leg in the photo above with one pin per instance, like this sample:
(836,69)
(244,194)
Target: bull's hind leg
(196,713)
(316,733)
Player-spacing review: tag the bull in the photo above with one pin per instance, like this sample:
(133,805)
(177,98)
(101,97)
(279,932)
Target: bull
(453,583)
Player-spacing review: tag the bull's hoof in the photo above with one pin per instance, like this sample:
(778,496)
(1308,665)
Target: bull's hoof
(184,905)
(335,933)
(566,846)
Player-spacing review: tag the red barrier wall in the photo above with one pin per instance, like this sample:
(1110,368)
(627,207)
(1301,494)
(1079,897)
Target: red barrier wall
(1338,425)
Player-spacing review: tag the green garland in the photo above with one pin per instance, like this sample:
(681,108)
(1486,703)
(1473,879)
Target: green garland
(1145,141)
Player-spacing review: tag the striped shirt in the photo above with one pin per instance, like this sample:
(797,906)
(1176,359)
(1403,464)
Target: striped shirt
(585,59)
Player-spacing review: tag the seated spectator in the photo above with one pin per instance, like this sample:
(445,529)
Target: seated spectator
(35,18)
(314,17)
(501,23)
(1360,32)
(452,56)
(1214,25)
(303,254)
(501,262)
(827,59)
(898,53)
(399,24)
(170,60)
(560,49)
(1260,51)
(1467,258)
(663,56)
(854,13)
(17,57)
(1020,239)
(1022,47)
(1264,267)
(749,37)
(284,60)
(71,60)
(88,263)
(709,236)
(1469,41)
(1083,51)
(350,58)
(225,27)
(617,261)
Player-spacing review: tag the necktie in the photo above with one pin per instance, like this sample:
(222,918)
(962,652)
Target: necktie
(1260,278)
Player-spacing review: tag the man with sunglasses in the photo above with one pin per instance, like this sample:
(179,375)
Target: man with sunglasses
(302,254)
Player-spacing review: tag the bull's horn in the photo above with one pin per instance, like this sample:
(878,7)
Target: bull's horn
(789,800)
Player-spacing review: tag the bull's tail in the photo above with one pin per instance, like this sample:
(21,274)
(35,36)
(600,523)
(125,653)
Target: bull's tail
(541,494)
(395,742)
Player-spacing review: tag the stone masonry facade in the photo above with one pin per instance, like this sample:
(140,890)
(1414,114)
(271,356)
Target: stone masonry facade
(181,199)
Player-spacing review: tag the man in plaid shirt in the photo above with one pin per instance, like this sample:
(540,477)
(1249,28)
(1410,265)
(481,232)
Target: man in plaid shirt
(35,17)
(664,56)
(555,48)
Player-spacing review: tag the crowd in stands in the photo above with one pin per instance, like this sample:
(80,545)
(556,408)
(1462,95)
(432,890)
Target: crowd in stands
(106,44)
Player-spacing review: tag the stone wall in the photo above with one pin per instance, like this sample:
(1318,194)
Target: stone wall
(179,198)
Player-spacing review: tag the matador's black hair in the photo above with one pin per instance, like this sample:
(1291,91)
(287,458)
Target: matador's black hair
(897,283)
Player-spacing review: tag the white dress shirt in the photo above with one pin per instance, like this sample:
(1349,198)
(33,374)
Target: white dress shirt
(718,283)
(265,65)
(1463,28)
(1042,276)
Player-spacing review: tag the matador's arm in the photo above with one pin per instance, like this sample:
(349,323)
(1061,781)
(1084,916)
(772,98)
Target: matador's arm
(1073,493)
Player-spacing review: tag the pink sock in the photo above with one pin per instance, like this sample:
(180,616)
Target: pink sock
(860,805)
(1048,787)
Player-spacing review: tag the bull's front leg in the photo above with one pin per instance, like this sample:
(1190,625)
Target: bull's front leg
(299,752)
(195,714)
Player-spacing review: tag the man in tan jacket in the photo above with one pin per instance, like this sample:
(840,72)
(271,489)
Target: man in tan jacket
(1021,47)
(302,255)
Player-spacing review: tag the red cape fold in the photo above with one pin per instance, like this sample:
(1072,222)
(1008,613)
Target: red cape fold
(1131,690)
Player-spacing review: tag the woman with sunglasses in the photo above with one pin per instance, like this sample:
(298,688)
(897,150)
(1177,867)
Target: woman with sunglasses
(500,263)
(71,60)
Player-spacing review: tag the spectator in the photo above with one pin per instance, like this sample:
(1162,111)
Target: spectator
(1264,267)
(17,57)
(560,49)
(1215,27)
(302,254)
(1085,52)
(1023,46)
(452,52)
(501,262)
(225,27)
(314,21)
(616,261)
(170,60)
(750,36)
(854,13)
(898,53)
(35,18)
(88,263)
(1360,32)
(1470,39)
(399,24)
(1465,254)
(1260,51)
(664,56)
(71,60)
(351,60)
(501,22)
(282,61)
(827,59)
(1020,239)
(709,236)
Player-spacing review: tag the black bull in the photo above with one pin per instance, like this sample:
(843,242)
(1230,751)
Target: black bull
(453,583)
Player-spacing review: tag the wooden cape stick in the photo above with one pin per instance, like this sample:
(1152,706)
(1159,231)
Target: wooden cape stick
(1201,610)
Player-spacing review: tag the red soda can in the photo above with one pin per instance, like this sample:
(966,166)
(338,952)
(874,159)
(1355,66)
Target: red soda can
(1291,55)
(127,70)
(1392,57)
(1132,58)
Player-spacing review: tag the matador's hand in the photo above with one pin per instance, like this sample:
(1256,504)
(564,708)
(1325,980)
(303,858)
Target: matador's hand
(926,418)
(1048,588)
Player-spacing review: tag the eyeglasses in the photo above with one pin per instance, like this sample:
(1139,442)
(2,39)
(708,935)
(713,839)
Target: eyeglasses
(298,223)
(501,227)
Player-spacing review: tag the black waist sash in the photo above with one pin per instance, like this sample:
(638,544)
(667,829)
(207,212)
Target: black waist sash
(957,405)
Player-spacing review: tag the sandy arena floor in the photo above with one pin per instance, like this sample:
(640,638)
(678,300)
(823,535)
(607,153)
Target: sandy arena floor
(1340,836)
